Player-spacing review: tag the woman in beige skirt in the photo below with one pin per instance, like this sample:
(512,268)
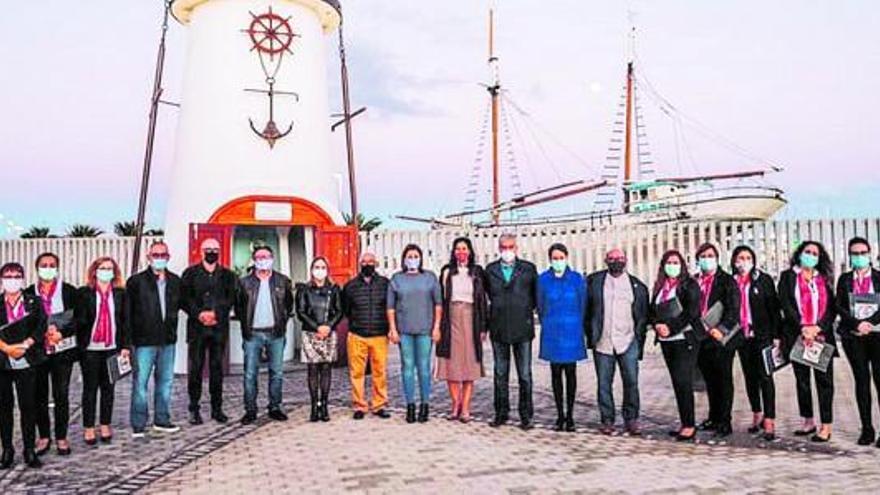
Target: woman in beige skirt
(462,328)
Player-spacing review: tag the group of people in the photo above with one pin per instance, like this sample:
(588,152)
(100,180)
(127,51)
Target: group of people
(440,324)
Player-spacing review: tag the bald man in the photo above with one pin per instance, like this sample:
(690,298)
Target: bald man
(364,302)
(208,292)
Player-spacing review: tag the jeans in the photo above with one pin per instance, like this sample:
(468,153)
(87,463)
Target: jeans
(275,349)
(415,357)
(629,370)
(522,355)
(159,360)
(57,370)
(95,376)
(212,343)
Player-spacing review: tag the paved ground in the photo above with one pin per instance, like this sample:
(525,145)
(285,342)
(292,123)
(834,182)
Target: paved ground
(382,456)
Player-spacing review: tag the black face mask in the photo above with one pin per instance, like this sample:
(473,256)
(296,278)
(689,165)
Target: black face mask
(616,267)
(211,257)
(368,270)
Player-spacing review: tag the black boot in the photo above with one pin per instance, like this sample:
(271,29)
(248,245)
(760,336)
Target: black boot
(423,413)
(560,423)
(7,459)
(324,412)
(410,413)
(31,459)
(315,414)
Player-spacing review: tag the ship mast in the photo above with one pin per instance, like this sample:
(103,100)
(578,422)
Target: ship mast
(627,132)
(494,89)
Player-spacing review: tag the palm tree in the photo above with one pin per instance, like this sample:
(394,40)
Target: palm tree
(36,233)
(125,229)
(364,225)
(82,230)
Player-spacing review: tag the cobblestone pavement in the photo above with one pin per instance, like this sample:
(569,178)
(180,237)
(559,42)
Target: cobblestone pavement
(381,456)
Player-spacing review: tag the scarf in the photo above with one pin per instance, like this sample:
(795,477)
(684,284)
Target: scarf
(104,326)
(15,313)
(705,289)
(744,282)
(52,299)
(811,315)
(670,285)
(862,285)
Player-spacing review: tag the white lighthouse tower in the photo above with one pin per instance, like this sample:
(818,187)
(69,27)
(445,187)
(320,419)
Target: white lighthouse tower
(252,162)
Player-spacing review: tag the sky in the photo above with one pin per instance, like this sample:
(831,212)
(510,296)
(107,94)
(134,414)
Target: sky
(792,81)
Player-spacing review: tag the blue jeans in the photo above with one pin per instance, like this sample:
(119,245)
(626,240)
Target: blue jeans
(415,356)
(159,360)
(629,371)
(275,349)
(522,355)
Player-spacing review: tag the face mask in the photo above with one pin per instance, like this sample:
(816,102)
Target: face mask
(462,258)
(809,260)
(558,265)
(708,264)
(211,257)
(264,264)
(105,275)
(744,267)
(860,261)
(159,264)
(616,267)
(12,285)
(508,256)
(319,273)
(47,274)
(368,270)
(671,270)
(412,264)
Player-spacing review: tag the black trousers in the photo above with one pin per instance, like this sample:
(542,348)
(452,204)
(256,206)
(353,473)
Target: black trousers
(522,357)
(760,388)
(716,365)
(824,388)
(23,382)
(211,344)
(96,377)
(57,371)
(570,372)
(864,358)
(681,359)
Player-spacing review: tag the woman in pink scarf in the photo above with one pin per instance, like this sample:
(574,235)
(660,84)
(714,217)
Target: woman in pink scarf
(807,300)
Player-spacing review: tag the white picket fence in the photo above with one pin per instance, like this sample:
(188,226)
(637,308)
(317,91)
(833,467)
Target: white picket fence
(773,241)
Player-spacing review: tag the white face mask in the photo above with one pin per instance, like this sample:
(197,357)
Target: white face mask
(319,273)
(744,267)
(12,285)
(264,264)
(508,255)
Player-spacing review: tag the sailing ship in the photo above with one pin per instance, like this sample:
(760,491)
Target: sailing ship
(624,195)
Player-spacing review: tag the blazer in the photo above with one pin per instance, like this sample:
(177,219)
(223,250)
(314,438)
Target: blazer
(69,297)
(595,321)
(35,320)
(480,313)
(688,294)
(848,323)
(763,307)
(512,303)
(143,314)
(791,315)
(85,314)
(725,291)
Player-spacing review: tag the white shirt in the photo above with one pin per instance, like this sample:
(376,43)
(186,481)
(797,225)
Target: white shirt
(100,346)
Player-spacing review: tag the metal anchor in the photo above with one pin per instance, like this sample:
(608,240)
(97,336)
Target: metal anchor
(270,132)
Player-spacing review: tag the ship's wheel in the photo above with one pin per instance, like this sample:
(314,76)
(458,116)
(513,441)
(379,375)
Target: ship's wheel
(270,33)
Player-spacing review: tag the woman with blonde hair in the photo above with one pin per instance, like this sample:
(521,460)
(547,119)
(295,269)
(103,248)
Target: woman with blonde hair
(101,334)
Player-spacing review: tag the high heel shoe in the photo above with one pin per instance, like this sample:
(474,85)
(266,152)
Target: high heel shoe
(820,439)
(31,459)
(569,424)
(682,438)
(45,449)
(560,424)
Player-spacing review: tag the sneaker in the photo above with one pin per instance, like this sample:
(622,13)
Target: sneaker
(137,434)
(382,414)
(248,418)
(166,428)
(278,415)
(358,415)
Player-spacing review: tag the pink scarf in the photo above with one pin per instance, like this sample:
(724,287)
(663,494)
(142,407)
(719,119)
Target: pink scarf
(862,285)
(705,289)
(104,329)
(15,313)
(46,297)
(668,287)
(809,314)
(744,282)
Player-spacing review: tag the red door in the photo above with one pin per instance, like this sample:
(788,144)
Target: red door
(198,232)
(340,245)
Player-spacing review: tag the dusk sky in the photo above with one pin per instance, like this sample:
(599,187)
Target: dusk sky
(792,81)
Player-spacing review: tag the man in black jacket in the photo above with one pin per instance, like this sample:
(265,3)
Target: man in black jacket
(208,292)
(511,284)
(264,303)
(152,300)
(364,301)
(616,325)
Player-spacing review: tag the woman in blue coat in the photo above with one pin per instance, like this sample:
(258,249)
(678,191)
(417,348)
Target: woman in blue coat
(562,302)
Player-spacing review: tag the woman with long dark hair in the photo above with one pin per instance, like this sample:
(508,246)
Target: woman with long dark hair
(414,311)
(858,291)
(759,320)
(463,327)
(675,315)
(319,308)
(807,300)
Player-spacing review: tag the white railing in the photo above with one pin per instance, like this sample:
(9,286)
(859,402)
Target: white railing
(773,242)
